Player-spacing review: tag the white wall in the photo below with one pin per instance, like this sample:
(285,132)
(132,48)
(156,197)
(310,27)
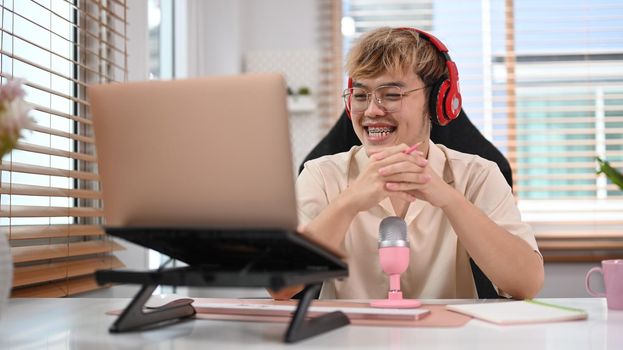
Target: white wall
(212,36)
(279,24)
(567,280)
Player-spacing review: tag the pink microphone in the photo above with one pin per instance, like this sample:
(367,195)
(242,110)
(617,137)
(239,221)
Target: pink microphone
(394,257)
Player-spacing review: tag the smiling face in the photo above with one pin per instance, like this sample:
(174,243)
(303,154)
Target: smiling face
(377,128)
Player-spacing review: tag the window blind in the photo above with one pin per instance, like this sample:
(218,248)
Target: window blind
(330,84)
(544,82)
(50,193)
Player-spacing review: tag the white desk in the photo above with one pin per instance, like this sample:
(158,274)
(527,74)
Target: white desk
(82,324)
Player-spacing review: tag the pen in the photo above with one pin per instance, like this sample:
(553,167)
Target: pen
(412,148)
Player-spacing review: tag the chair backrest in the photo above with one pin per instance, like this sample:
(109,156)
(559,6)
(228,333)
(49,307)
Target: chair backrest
(460,135)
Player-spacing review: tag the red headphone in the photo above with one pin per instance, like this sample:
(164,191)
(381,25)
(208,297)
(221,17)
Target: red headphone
(445,98)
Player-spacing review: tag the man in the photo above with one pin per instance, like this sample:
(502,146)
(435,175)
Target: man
(456,205)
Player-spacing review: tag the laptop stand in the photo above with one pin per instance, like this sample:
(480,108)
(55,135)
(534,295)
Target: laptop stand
(134,317)
(260,256)
(301,328)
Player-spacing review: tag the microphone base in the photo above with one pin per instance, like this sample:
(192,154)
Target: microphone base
(396,303)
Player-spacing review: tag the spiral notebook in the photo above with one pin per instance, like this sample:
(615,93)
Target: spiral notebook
(520,312)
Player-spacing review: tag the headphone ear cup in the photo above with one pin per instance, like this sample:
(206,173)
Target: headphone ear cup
(436,103)
(452,104)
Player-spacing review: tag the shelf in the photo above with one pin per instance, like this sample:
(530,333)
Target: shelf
(301,104)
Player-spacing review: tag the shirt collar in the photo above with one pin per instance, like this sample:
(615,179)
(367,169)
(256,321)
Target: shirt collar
(438,162)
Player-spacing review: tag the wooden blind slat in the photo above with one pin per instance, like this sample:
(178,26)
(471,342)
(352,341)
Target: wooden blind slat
(109,12)
(563,188)
(78,64)
(121,3)
(61,114)
(84,31)
(62,250)
(591,244)
(68,60)
(49,30)
(58,289)
(55,152)
(550,98)
(45,69)
(560,176)
(105,44)
(22,211)
(573,165)
(57,93)
(27,275)
(15,233)
(41,170)
(586,235)
(31,190)
(553,131)
(50,131)
(550,143)
(95,20)
(551,154)
(106,26)
(564,121)
(475,111)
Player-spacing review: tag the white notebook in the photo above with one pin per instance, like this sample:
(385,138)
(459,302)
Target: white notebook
(519,312)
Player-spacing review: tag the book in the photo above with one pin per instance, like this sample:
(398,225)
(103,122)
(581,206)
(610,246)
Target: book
(520,312)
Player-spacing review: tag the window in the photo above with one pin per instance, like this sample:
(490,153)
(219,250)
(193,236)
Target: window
(161,53)
(544,82)
(51,203)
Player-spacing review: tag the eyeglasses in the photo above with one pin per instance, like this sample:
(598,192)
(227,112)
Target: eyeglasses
(389,98)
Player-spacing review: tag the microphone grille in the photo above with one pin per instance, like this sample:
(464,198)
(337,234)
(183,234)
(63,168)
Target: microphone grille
(393,232)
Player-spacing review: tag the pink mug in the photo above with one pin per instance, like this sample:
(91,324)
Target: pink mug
(612,271)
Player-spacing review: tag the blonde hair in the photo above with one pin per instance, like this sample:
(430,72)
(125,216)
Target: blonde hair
(395,51)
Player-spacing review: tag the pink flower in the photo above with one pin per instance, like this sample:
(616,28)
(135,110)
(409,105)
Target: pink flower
(13,114)
(11,90)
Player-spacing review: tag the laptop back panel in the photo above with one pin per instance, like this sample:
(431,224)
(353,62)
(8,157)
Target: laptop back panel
(193,153)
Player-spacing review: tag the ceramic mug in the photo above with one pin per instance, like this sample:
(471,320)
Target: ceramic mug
(612,271)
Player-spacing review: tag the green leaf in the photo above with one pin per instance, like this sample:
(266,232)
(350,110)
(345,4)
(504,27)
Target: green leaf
(611,173)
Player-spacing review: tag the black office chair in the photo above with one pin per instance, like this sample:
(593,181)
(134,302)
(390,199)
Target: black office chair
(460,135)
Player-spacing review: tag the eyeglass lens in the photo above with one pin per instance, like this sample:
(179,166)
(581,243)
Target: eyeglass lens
(387,97)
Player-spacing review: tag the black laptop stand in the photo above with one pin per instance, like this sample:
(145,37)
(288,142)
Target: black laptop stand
(227,258)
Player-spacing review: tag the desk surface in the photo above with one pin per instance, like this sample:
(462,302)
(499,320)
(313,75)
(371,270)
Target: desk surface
(81,324)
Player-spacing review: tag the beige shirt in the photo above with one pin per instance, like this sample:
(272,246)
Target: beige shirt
(439,265)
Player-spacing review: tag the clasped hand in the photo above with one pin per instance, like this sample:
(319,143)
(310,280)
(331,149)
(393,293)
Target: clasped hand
(393,173)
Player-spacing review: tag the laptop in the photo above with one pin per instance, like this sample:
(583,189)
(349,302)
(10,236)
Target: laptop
(201,170)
